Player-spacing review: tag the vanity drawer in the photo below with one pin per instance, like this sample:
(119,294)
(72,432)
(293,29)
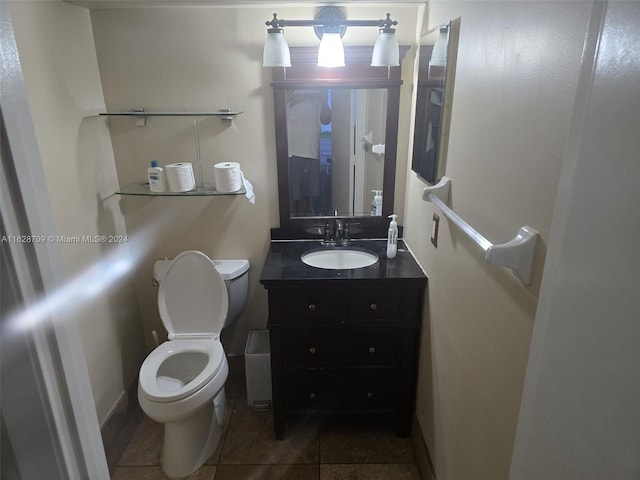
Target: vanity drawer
(313,305)
(374,304)
(341,347)
(341,390)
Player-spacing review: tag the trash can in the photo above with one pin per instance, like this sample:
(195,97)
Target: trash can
(257,360)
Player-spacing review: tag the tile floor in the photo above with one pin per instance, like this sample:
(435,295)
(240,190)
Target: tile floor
(249,451)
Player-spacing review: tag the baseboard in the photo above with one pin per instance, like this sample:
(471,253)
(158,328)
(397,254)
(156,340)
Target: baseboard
(425,466)
(121,424)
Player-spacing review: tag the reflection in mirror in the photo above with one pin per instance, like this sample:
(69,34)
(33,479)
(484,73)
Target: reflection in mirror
(435,84)
(335,140)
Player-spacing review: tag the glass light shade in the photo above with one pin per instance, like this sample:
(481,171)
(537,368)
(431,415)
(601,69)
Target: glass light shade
(386,52)
(331,51)
(439,52)
(276,50)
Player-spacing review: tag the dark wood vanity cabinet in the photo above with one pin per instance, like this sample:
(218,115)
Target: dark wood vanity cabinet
(345,347)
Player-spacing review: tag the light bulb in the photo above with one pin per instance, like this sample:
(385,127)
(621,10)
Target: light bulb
(331,51)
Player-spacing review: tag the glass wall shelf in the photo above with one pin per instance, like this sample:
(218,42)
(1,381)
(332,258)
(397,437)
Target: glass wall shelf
(142,188)
(141,114)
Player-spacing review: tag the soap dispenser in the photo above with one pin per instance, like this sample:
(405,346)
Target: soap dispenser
(376,204)
(392,237)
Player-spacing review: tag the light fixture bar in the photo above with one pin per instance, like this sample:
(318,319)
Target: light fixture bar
(276,22)
(330,25)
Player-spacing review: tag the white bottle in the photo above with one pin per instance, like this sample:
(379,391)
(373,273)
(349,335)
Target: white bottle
(392,237)
(376,204)
(157,181)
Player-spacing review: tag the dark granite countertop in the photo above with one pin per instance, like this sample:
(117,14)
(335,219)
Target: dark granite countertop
(283,263)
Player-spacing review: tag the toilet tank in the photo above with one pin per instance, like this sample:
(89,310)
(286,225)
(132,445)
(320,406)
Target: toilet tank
(235,274)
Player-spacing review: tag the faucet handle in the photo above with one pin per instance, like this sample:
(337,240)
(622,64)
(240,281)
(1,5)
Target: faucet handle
(346,239)
(328,232)
(328,238)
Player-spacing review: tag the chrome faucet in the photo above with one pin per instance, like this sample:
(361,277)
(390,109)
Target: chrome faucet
(336,233)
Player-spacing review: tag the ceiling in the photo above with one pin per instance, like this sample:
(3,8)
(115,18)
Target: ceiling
(107,4)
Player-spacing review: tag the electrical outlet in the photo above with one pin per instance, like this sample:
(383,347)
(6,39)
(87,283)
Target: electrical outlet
(435,224)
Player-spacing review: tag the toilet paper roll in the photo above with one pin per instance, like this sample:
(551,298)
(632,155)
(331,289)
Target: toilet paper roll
(180,177)
(228,177)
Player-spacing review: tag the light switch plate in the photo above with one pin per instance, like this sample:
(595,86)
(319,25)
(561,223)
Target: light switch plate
(435,224)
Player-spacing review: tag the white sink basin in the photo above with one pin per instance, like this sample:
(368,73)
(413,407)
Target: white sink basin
(339,258)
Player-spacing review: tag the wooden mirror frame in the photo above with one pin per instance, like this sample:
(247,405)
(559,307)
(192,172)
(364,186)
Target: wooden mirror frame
(357,74)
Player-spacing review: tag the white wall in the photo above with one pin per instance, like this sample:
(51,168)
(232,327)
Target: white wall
(58,59)
(580,416)
(517,73)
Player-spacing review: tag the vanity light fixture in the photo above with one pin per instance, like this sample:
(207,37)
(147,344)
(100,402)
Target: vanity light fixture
(330,25)
(386,51)
(439,52)
(276,49)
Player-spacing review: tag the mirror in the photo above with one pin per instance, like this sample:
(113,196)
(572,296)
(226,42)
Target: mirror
(335,150)
(336,140)
(436,73)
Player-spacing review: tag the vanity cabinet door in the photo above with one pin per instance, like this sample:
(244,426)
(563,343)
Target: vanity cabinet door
(341,347)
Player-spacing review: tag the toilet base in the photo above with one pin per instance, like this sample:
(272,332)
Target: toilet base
(190,442)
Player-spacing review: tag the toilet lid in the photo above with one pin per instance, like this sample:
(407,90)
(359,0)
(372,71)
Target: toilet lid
(193,300)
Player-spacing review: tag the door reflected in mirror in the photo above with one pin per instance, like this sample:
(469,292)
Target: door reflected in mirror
(436,72)
(335,141)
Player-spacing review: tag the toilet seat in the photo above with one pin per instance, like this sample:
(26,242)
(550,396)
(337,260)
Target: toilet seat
(155,386)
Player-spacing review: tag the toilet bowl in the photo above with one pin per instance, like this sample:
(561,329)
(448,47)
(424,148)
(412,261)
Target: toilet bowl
(181,382)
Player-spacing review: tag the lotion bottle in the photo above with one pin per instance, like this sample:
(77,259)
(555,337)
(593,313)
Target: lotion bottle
(376,204)
(392,237)
(157,181)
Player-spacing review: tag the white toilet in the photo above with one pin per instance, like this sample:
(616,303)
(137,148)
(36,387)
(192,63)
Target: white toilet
(182,381)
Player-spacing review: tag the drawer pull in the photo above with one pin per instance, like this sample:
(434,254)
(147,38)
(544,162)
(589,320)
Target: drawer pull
(372,349)
(312,307)
(313,396)
(369,395)
(373,306)
(312,350)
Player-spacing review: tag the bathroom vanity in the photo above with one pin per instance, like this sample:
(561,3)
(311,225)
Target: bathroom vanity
(343,341)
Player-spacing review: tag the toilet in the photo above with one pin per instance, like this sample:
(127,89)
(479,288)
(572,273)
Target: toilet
(181,382)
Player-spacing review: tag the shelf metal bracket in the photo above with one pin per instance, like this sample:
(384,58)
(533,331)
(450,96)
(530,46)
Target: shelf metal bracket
(226,119)
(516,254)
(141,120)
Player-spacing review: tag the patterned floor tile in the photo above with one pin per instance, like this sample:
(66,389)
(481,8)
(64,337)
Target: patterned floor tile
(156,473)
(145,446)
(369,472)
(360,444)
(267,472)
(250,440)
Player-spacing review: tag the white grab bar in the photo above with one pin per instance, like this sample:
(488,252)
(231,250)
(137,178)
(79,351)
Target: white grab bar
(517,254)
